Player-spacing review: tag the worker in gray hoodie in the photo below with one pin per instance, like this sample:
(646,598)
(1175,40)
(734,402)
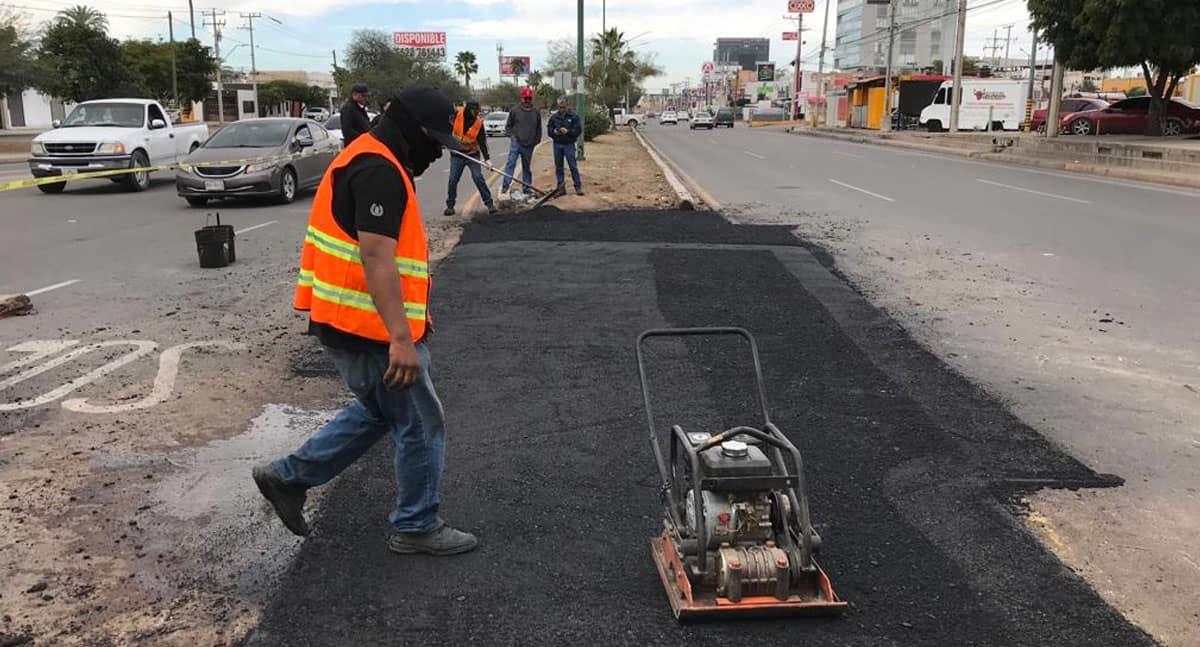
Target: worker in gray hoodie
(524,129)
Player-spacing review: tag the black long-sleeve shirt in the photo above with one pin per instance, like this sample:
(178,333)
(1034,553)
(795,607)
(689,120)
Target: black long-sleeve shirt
(354,121)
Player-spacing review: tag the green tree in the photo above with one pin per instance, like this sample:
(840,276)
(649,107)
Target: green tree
(616,72)
(274,93)
(79,60)
(464,66)
(194,66)
(503,96)
(372,59)
(1160,36)
(18,67)
(82,16)
(149,65)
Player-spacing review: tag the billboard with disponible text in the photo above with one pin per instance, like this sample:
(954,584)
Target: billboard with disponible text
(427,45)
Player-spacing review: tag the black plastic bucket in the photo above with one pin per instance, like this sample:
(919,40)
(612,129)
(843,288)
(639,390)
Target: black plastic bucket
(214,244)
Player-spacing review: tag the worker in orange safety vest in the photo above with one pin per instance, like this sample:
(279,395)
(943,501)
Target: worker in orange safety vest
(468,130)
(364,281)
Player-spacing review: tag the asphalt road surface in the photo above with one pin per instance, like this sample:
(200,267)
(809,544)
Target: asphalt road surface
(1072,297)
(911,468)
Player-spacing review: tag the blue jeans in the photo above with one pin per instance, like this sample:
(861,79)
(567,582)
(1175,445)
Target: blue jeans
(526,155)
(567,152)
(414,418)
(457,164)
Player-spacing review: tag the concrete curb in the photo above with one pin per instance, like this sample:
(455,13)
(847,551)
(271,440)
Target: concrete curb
(1005,158)
(686,201)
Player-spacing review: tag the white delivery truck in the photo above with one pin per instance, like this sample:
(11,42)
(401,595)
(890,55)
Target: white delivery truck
(986,104)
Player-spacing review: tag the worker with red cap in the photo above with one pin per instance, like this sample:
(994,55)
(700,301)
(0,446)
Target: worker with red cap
(524,129)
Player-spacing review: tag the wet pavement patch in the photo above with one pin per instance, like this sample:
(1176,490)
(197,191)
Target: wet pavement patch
(911,469)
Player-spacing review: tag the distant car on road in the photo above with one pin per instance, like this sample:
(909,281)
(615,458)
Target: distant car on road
(1129,116)
(668,117)
(684,115)
(724,118)
(1069,105)
(294,154)
(494,123)
(316,113)
(111,134)
(703,119)
(623,117)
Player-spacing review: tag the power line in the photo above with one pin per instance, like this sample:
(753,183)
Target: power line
(882,33)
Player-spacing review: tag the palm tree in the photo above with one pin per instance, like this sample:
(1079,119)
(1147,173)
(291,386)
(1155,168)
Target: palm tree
(83,16)
(465,66)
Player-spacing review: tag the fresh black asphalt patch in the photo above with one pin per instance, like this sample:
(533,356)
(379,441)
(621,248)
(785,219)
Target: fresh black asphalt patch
(913,471)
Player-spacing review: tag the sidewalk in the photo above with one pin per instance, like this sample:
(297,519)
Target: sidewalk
(1130,157)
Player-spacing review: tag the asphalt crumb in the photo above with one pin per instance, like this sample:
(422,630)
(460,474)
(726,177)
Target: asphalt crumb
(910,468)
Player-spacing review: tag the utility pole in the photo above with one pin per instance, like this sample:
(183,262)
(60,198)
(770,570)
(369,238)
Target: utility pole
(1056,88)
(174,72)
(580,99)
(216,25)
(1007,43)
(959,40)
(819,114)
(885,124)
(500,61)
(192,19)
(796,73)
(1030,103)
(253,68)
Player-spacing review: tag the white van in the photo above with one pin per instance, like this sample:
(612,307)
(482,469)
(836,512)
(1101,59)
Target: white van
(1001,100)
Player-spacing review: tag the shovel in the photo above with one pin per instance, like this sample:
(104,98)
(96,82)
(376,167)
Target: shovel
(543,196)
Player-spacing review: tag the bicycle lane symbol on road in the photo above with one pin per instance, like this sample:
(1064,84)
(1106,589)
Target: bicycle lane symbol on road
(164,381)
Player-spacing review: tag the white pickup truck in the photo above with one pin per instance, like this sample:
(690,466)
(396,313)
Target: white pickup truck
(108,134)
(623,117)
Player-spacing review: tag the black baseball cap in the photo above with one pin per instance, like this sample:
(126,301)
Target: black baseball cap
(360,88)
(432,110)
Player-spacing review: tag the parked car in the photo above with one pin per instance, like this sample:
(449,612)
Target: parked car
(110,134)
(1069,105)
(281,174)
(334,124)
(1129,116)
(668,117)
(703,119)
(623,117)
(494,123)
(316,113)
(724,118)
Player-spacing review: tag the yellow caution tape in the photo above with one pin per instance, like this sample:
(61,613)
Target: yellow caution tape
(91,175)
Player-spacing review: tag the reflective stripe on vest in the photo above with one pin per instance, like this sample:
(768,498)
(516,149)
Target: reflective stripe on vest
(332,281)
(469,139)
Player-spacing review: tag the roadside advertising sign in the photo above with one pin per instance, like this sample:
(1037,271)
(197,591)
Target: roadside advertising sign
(790,35)
(427,45)
(514,65)
(802,6)
(766,71)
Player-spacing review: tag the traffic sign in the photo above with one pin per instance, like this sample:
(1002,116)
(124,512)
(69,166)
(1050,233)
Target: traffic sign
(790,35)
(802,6)
(707,68)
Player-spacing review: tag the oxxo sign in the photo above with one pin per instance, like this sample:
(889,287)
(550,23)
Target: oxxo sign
(802,6)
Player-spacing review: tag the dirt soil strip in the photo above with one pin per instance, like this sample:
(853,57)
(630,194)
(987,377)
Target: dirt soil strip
(617,174)
(911,469)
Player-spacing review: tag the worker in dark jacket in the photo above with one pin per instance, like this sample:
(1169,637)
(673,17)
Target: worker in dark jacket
(354,114)
(564,127)
(525,128)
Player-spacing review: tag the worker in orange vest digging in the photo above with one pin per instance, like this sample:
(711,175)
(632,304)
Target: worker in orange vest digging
(468,130)
(364,281)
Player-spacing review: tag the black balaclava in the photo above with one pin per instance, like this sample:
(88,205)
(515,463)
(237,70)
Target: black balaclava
(401,133)
(471,110)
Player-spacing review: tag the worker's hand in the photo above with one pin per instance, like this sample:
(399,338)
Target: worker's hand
(404,368)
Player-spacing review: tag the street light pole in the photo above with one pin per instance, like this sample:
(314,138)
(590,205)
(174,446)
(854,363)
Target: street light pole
(796,74)
(580,100)
(885,124)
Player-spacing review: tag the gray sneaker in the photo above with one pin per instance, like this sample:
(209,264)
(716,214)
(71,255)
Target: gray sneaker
(288,500)
(442,541)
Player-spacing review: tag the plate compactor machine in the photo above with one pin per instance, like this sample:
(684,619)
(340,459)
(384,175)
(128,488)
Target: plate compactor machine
(736,537)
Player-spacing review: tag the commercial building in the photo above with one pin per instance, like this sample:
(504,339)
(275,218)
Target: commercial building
(743,52)
(925,33)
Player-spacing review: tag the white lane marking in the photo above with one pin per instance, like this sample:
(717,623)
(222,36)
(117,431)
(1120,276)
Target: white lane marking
(1047,254)
(39,348)
(164,382)
(51,287)
(1041,193)
(861,190)
(755,155)
(711,140)
(142,348)
(258,226)
(850,155)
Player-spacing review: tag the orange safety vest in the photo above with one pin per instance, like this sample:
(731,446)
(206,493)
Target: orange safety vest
(333,286)
(470,138)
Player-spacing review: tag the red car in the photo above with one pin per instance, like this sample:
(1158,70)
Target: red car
(1069,105)
(1129,117)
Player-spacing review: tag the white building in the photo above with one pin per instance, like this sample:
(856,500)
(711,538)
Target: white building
(30,109)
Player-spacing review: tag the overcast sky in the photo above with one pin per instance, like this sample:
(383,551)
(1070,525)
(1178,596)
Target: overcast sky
(679,32)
